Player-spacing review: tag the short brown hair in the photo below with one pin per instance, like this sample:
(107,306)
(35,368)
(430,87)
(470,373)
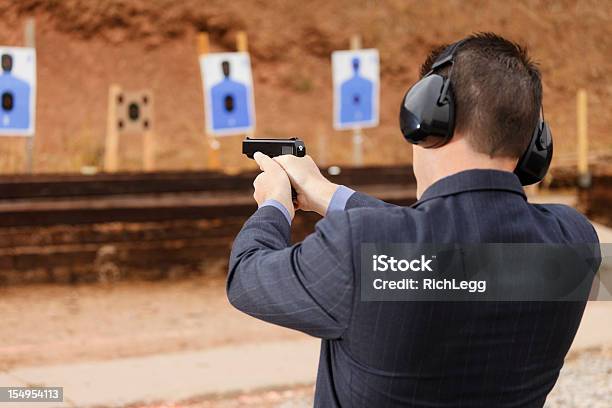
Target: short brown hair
(498,93)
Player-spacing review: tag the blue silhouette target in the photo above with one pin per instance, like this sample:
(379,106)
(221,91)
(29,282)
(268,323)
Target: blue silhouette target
(17,91)
(229,93)
(356,83)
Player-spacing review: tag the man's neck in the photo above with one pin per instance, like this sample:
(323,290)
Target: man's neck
(432,165)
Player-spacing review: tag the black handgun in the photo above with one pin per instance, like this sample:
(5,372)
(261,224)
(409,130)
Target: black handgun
(273,148)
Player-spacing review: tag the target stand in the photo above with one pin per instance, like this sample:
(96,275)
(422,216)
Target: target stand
(129,113)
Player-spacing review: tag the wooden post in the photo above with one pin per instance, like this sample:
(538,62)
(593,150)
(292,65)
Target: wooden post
(322,146)
(149,141)
(242,44)
(212,144)
(355,42)
(357,132)
(148,150)
(203,43)
(584,176)
(111,142)
(30,41)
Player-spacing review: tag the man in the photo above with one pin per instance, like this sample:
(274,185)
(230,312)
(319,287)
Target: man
(430,354)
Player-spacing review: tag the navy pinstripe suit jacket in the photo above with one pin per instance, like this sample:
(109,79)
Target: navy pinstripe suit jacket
(425,354)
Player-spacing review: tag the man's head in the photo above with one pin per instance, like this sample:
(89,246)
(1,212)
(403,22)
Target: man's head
(498,96)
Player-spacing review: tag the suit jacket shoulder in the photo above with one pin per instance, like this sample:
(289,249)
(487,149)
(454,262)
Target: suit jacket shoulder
(574,225)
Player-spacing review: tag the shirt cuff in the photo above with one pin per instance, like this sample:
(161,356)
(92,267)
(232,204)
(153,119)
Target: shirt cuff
(277,204)
(339,199)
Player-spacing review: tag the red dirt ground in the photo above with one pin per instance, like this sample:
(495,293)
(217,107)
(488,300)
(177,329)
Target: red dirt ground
(84,46)
(52,324)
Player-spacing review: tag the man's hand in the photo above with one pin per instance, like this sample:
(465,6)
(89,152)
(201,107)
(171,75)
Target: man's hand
(272,183)
(314,191)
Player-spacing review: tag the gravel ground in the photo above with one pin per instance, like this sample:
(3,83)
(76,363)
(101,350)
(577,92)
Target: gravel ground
(585,382)
(296,397)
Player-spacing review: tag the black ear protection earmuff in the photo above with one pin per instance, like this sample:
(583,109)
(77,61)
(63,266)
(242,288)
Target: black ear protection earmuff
(533,164)
(427,118)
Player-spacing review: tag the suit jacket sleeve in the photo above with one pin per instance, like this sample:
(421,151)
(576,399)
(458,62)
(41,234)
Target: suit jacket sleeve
(307,286)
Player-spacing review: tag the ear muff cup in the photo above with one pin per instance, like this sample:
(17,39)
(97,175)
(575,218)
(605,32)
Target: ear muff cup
(425,119)
(535,161)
